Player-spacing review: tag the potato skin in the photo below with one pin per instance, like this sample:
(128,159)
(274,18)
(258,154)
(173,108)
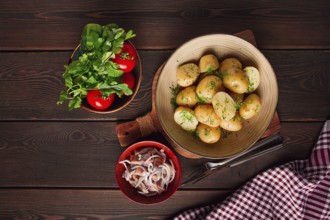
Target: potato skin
(208,87)
(187,74)
(230,63)
(235,80)
(208,134)
(234,124)
(205,114)
(187,96)
(250,107)
(208,63)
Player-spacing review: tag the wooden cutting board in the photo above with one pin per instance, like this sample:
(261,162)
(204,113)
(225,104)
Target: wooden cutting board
(129,132)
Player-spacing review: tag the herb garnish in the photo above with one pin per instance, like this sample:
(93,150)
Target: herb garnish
(174,91)
(186,116)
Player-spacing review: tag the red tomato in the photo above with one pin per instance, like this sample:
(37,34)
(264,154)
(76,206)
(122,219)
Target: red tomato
(95,99)
(126,58)
(129,79)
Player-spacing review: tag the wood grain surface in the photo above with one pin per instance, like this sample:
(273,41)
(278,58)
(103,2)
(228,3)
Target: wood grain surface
(303,79)
(96,204)
(59,164)
(83,154)
(47,25)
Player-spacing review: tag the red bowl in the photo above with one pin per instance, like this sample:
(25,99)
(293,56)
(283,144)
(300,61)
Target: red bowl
(131,192)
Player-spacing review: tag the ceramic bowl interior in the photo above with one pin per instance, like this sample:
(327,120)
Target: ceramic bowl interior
(130,191)
(223,46)
(119,103)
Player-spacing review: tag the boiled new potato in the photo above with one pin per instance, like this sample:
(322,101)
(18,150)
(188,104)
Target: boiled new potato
(253,76)
(187,74)
(185,117)
(208,63)
(187,96)
(205,114)
(208,134)
(224,106)
(235,80)
(208,87)
(230,63)
(250,107)
(234,124)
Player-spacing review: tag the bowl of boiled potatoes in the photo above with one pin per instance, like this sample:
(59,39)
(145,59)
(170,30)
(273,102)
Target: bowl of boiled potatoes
(215,96)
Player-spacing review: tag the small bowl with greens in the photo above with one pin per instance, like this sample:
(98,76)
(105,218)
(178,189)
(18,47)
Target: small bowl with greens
(104,72)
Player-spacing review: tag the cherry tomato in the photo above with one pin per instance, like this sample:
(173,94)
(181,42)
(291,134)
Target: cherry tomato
(126,58)
(95,99)
(129,79)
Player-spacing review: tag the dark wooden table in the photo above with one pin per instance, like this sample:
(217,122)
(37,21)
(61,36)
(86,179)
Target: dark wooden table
(59,164)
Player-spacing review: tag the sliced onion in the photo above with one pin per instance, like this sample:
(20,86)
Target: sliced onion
(149,159)
(154,178)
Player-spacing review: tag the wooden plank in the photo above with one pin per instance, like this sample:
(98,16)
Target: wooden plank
(96,204)
(304,84)
(31,82)
(58,25)
(84,154)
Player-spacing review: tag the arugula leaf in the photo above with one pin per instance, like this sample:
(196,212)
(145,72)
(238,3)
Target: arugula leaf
(93,68)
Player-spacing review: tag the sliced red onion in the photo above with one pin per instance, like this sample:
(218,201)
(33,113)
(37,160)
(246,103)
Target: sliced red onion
(154,178)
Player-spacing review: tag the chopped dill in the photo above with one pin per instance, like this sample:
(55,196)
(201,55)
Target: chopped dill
(207,131)
(238,105)
(224,75)
(212,85)
(196,133)
(174,91)
(186,116)
(251,86)
(200,100)
(173,103)
(211,70)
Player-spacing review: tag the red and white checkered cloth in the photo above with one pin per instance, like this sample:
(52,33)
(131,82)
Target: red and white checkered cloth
(296,190)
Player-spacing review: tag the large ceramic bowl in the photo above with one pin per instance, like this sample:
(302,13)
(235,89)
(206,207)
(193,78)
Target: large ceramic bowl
(119,103)
(223,46)
(131,192)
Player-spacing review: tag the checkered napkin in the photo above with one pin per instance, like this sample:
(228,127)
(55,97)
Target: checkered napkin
(296,190)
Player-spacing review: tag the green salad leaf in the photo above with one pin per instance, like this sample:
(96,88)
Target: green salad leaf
(93,69)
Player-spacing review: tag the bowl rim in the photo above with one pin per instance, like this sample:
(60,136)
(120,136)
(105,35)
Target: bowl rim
(129,98)
(167,151)
(191,41)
